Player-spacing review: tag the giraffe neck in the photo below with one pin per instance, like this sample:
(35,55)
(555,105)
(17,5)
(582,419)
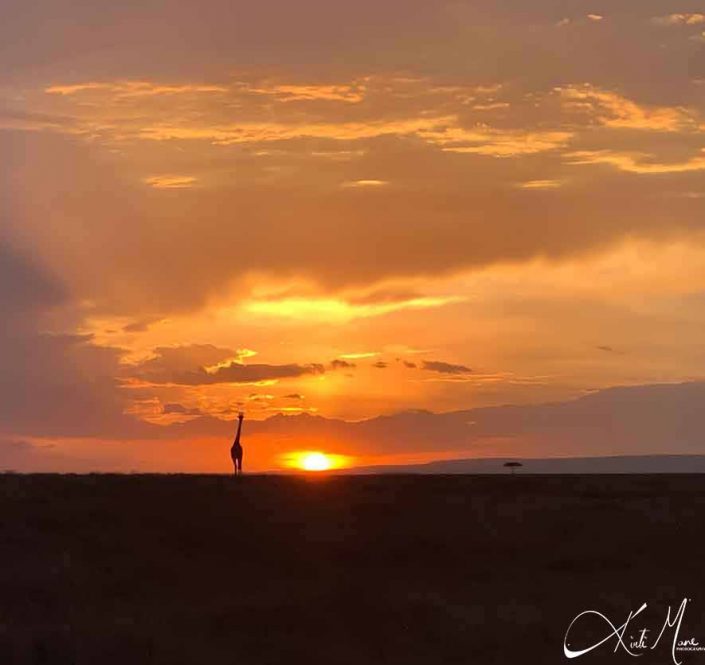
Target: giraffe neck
(239,429)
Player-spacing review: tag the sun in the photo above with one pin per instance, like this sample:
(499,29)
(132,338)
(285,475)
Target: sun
(314,460)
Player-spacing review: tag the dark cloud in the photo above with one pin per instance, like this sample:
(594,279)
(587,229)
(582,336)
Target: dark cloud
(139,326)
(62,385)
(296,396)
(186,365)
(409,364)
(172,361)
(341,364)
(52,384)
(380,364)
(445,368)
(181,409)
(25,288)
(610,349)
(237,373)
(646,419)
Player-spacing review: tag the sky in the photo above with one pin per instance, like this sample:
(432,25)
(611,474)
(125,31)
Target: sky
(373,227)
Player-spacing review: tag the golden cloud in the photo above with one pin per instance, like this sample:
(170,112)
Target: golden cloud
(636,162)
(540,184)
(613,110)
(263,132)
(495,142)
(365,183)
(126,89)
(339,310)
(137,110)
(170,181)
(679,19)
(352,93)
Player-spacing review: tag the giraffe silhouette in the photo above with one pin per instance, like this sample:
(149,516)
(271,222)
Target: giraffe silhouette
(236,449)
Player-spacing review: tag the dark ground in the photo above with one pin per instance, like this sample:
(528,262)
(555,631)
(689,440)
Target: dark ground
(102,570)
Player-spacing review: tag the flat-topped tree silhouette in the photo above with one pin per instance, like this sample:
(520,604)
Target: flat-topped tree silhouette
(236,449)
(513,466)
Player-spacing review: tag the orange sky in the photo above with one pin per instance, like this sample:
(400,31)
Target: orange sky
(342,211)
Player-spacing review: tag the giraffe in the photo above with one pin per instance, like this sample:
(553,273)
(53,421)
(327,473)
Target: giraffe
(236,449)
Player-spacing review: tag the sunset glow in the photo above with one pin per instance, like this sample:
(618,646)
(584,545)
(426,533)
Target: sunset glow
(365,225)
(314,461)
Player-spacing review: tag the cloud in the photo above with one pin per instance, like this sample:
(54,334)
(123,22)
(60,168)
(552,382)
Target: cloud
(496,142)
(122,110)
(122,89)
(289,92)
(255,373)
(380,364)
(679,19)
(454,124)
(351,93)
(365,183)
(170,181)
(382,295)
(341,364)
(360,355)
(142,325)
(268,132)
(33,121)
(152,111)
(445,368)
(52,383)
(541,184)
(166,360)
(25,288)
(613,110)
(636,162)
(416,235)
(180,409)
(450,168)
(643,419)
(204,364)
(330,309)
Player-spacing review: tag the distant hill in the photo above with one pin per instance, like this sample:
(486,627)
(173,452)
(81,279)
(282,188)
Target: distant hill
(617,464)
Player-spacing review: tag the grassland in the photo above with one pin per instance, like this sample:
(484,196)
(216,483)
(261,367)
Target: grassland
(404,570)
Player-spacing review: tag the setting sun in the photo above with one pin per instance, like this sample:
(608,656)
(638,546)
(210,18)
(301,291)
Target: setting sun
(314,460)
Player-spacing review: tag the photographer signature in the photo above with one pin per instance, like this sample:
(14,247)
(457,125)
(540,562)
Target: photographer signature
(633,646)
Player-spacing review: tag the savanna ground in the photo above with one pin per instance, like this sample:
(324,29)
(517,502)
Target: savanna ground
(366,570)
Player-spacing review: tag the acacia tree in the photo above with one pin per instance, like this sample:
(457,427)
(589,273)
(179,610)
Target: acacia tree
(513,466)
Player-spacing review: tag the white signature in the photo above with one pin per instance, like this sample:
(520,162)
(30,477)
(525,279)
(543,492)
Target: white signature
(635,647)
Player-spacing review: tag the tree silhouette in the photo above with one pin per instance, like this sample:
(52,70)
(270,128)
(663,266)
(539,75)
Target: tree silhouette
(513,466)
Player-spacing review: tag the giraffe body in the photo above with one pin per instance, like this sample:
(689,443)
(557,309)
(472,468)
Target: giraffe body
(236,448)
